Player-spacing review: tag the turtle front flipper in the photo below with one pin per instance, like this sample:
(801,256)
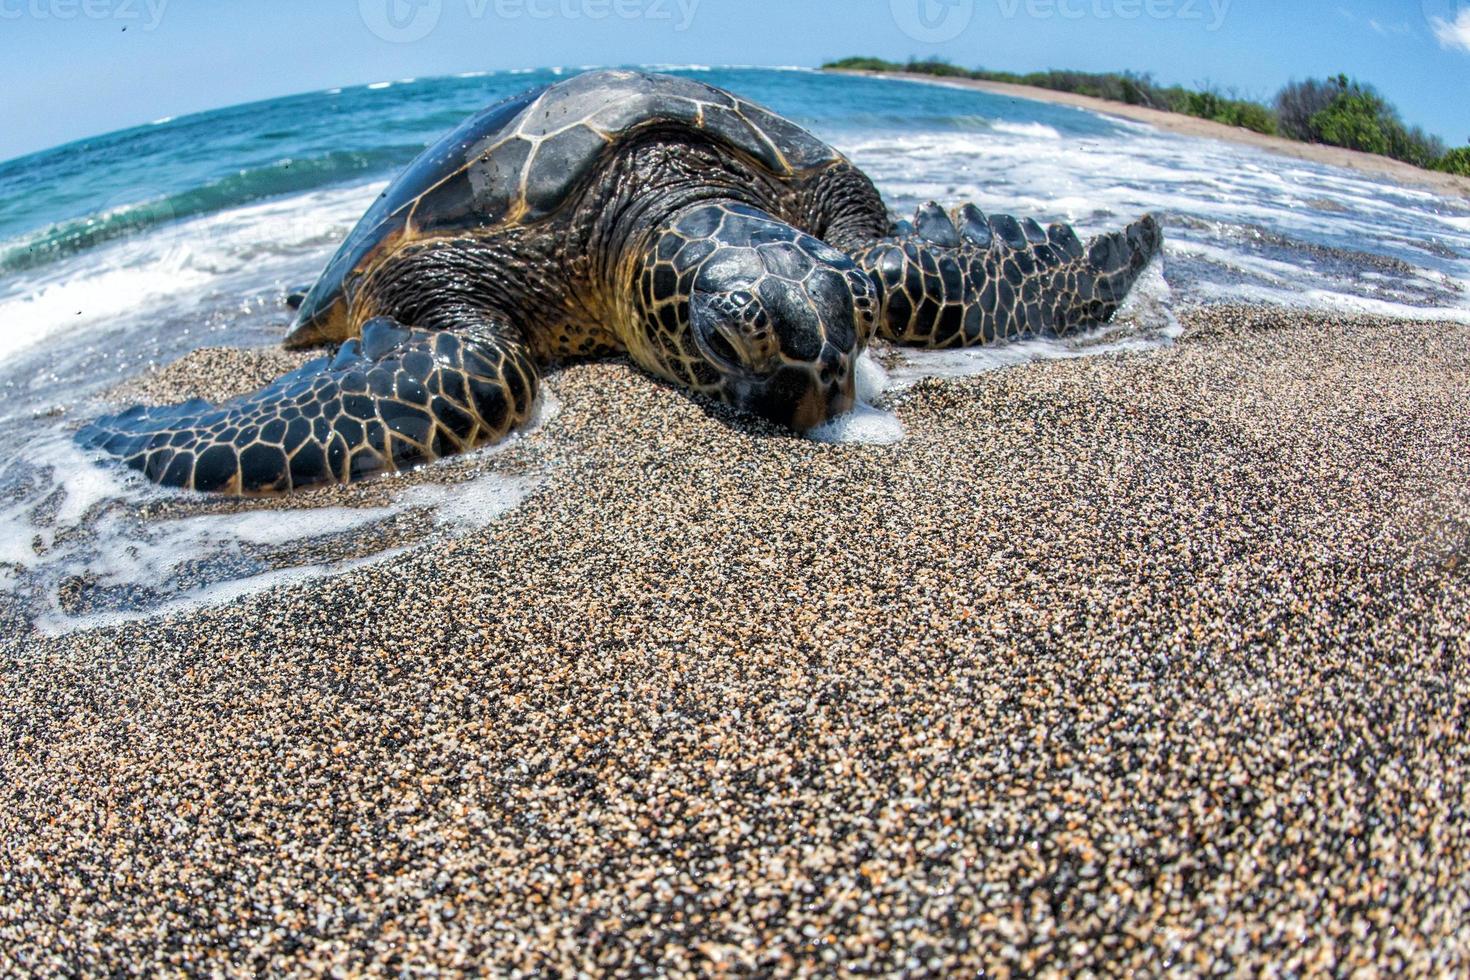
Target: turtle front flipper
(962,279)
(397,397)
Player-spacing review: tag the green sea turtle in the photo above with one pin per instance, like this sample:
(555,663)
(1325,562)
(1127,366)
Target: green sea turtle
(717,244)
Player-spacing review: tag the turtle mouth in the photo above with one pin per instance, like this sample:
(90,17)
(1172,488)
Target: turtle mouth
(797,396)
(821,406)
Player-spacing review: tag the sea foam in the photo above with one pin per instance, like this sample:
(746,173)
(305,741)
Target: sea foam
(85,522)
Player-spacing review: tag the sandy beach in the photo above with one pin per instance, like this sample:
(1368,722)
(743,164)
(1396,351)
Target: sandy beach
(1175,122)
(1146,661)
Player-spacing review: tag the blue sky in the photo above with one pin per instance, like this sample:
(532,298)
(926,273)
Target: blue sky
(74,68)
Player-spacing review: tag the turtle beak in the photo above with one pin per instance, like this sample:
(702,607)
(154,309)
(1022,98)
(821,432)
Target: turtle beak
(320,323)
(823,405)
(804,396)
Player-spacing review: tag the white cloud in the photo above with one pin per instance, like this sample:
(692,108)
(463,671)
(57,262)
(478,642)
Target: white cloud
(1375,25)
(1453,33)
(1389,30)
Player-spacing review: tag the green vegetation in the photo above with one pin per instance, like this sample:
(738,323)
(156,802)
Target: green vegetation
(1134,89)
(1455,162)
(1343,112)
(1231,112)
(1337,111)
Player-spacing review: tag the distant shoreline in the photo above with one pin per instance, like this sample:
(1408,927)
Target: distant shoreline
(1175,122)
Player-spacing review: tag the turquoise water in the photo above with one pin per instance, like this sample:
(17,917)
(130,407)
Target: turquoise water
(130,249)
(57,202)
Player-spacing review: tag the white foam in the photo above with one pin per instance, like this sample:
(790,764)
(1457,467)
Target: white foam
(272,527)
(90,520)
(1235,261)
(1148,310)
(474,504)
(210,596)
(804,69)
(916,365)
(545,410)
(1031,130)
(177,266)
(74,482)
(864,425)
(871,381)
(1326,301)
(155,555)
(85,485)
(56,306)
(16,537)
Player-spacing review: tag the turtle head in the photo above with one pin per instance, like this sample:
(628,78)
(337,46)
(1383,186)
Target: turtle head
(325,315)
(779,318)
(321,319)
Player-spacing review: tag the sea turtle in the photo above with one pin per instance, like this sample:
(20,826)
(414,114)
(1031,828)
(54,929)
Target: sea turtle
(717,244)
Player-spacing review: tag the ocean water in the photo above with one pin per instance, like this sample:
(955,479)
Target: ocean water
(129,249)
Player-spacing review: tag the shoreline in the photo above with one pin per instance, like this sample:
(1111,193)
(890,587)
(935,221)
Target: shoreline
(1184,125)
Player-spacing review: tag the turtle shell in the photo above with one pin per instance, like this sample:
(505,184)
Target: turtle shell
(519,161)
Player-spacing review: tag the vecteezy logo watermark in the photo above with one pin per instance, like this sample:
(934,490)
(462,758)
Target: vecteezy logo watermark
(1449,21)
(401,21)
(406,21)
(1196,10)
(146,14)
(932,21)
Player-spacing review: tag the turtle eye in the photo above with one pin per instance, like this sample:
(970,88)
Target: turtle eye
(721,349)
(712,318)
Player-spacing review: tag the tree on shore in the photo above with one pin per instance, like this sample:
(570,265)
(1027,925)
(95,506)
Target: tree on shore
(1345,112)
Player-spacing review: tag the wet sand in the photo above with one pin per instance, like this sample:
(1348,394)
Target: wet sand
(1176,122)
(1143,661)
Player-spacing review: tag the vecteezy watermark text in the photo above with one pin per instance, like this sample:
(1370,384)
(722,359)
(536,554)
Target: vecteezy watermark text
(147,14)
(938,21)
(1196,10)
(405,21)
